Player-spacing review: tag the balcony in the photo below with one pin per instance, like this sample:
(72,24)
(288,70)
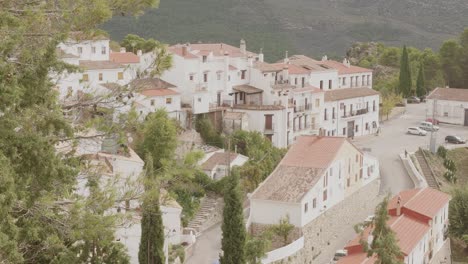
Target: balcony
(355,113)
(281,84)
(269,130)
(302,108)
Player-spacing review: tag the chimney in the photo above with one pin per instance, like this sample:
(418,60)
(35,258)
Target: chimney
(286,58)
(184,50)
(243,46)
(324,58)
(260,55)
(285,73)
(123,50)
(139,53)
(250,60)
(398,207)
(346,62)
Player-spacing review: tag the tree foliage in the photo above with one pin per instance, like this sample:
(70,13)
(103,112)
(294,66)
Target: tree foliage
(256,247)
(405,82)
(421,82)
(458,214)
(133,43)
(283,229)
(208,132)
(233,226)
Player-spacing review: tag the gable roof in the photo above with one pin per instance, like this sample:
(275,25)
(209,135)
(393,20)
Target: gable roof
(100,65)
(124,57)
(203,49)
(348,93)
(427,201)
(449,94)
(300,169)
(308,63)
(344,69)
(153,87)
(218,158)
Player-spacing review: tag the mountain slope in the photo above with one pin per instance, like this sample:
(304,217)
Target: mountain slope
(312,27)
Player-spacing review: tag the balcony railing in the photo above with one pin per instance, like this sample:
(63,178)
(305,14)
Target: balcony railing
(355,113)
(302,108)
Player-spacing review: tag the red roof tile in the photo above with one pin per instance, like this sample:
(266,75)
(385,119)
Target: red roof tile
(203,49)
(427,201)
(218,158)
(343,69)
(124,57)
(159,92)
(360,258)
(408,231)
(307,89)
(449,94)
(348,93)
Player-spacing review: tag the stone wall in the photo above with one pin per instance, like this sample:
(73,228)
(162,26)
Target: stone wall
(330,231)
(276,242)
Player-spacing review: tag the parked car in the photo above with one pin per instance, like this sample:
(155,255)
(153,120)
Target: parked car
(455,140)
(428,126)
(340,253)
(416,131)
(413,100)
(422,98)
(433,121)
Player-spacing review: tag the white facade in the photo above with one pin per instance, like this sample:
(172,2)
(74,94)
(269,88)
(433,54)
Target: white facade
(149,104)
(361,114)
(452,112)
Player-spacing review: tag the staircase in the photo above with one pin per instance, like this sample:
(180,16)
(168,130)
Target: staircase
(426,171)
(207,207)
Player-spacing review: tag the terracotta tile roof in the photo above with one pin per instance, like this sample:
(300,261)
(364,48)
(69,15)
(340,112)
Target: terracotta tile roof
(267,67)
(62,54)
(288,184)
(124,57)
(343,69)
(300,169)
(409,232)
(203,49)
(427,201)
(218,158)
(348,93)
(308,63)
(259,107)
(248,89)
(153,87)
(360,258)
(307,89)
(449,94)
(150,83)
(100,65)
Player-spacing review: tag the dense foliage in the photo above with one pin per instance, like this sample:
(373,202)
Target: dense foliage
(233,226)
(405,82)
(458,214)
(208,132)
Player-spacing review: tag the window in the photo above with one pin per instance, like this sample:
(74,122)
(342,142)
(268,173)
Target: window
(352,79)
(317,103)
(229,78)
(330,84)
(348,182)
(191,77)
(325,180)
(204,58)
(357,157)
(93,50)
(218,76)
(344,80)
(368,80)
(289,117)
(303,81)
(205,77)
(80,50)
(333,113)
(363,78)
(306,207)
(103,50)
(100,76)
(325,114)
(373,106)
(357,128)
(314,203)
(367,126)
(367,106)
(85,77)
(344,131)
(357,80)
(243,74)
(324,195)
(152,102)
(321,85)
(241,96)
(331,172)
(120,75)
(295,81)
(169,100)
(199,99)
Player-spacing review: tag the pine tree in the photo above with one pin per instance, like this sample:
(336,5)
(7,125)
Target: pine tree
(233,226)
(384,243)
(152,229)
(404,87)
(421,82)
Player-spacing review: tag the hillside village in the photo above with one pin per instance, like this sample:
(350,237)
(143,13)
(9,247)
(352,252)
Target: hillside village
(315,108)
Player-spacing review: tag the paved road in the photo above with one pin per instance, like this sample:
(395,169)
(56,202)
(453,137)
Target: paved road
(208,247)
(393,140)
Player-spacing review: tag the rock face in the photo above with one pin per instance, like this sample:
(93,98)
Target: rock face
(312,27)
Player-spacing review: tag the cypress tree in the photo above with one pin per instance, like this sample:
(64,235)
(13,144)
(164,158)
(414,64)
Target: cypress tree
(233,227)
(152,230)
(384,243)
(404,87)
(421,83)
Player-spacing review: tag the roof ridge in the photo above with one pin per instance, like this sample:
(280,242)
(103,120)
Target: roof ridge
(414,196)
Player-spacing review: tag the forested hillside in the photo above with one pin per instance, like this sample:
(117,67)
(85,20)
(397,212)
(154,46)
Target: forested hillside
(311,27)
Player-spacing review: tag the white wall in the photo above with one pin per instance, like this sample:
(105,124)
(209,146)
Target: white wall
(100,53)
(447,111)
(325,76)
(347,79)
(271,212)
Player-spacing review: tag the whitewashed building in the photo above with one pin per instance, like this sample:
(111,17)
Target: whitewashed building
(451,105)
(419,219)
(215,164)
(315,174)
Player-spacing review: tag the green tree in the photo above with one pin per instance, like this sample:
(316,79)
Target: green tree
(432,69)
(233,226)
(450,56)
(159,138)
(152,228)
(390,57)
(283,229)
(421,83)
(133,43)
(458,214)
(464,59)
(384,244)
(404,87)
(256,247)
(208,132)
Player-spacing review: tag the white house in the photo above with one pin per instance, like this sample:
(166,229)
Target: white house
(315,174)
(419,218)
(215,164)
(451,105)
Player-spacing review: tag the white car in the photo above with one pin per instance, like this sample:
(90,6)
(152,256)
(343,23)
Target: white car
(428,126)
(416,131)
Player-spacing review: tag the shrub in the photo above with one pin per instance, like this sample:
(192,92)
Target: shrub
(442,152)
(450,165)
(450,176)
(208,132)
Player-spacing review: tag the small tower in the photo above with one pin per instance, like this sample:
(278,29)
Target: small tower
(243,46)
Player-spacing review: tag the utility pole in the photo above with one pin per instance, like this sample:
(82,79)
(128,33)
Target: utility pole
(433,138)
